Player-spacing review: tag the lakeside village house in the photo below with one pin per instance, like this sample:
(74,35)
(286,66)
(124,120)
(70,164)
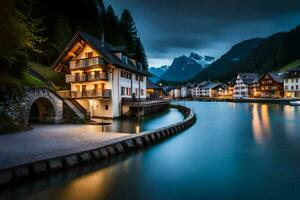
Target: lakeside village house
(245,85)
(100,76)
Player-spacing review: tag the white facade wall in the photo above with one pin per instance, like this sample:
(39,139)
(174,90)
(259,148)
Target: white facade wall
(240,89)
(109,108)
(291,87)
(183,92)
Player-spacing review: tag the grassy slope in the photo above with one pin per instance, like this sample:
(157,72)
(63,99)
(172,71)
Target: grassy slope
(295,63)
(26,79)
(55,77)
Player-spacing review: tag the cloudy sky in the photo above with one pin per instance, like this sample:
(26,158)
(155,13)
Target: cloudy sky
(170,28)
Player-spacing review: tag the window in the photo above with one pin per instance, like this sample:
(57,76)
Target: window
(106,107)
(136,91)
(136,77)
(142,92)
(122,91)
(296,87)
(286,87)
(125,74)
(88,54)
(292,87)
(286,80)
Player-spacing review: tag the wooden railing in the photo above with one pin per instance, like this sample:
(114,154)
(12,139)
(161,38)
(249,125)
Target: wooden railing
(86,77)
(86,62)
(105,93)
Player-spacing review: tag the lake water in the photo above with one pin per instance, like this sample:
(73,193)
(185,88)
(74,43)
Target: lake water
(234,151)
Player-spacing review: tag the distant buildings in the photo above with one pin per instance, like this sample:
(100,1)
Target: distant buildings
(270,85)
(292,83)
(245,85)
(154,91)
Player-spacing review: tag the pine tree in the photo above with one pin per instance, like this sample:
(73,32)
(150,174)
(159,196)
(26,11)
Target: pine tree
(141,54)
(113,32)
(129,31)
(102,14)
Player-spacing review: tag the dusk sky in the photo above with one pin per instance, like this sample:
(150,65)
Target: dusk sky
(170,28)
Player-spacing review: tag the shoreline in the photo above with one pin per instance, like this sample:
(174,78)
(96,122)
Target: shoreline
(248,100)
(108,149)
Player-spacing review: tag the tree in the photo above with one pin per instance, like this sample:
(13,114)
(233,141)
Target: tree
(62,34)
(129,31)
(141,54)
(19,34)
(102,14)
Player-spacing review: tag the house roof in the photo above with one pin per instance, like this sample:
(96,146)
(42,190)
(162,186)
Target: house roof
(249,78)
(107,50)
(151,85)
(276,77)
(294,69)
(212,85)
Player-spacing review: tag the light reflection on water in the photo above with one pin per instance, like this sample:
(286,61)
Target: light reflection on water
(220,157)
(260,122)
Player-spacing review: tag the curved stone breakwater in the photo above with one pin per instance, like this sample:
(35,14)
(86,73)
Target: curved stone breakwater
(110,149)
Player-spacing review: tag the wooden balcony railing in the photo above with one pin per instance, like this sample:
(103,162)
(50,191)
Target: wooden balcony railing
(87,62)
(105,93)
(86,77)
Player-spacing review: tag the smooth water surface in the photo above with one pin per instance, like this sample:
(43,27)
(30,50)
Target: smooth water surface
(234,151)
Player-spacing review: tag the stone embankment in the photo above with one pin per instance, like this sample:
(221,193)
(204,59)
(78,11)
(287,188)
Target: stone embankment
(112,148)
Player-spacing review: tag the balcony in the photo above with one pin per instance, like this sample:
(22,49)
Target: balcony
(87,62)
(105,93)
(86,77)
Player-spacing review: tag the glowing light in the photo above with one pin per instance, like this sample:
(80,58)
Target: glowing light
(137,129)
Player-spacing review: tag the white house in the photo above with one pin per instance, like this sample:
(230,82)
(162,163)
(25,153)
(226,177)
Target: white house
(183,91)
(291,83)
(213,90)
(242,85)
(198,91)
(100,75)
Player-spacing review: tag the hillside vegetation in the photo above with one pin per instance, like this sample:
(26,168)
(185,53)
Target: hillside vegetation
(256,55)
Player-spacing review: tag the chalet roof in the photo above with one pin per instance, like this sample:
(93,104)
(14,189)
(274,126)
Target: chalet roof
(276,77)
(249,78)
(107,50)
(151,85)
(212,85)
(293,73)
(294,69)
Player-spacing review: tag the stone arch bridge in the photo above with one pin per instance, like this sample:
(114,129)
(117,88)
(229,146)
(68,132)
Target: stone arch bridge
(40,104)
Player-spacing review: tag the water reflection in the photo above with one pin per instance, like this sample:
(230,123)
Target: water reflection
(290,114)
(149,122)
(215,154)
(260,122)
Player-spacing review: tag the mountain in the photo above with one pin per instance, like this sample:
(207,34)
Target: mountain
(202,60)
(255,55)
(159,70)
(182,68)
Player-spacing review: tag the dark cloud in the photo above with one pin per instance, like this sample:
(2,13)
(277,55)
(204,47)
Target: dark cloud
(212,26)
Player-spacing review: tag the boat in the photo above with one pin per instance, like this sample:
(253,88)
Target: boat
(295,103)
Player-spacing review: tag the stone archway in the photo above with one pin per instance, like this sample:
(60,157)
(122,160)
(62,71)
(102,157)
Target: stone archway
(42,111)
(44,103)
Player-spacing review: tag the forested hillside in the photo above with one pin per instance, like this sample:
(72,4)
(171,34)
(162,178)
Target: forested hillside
(255,55)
